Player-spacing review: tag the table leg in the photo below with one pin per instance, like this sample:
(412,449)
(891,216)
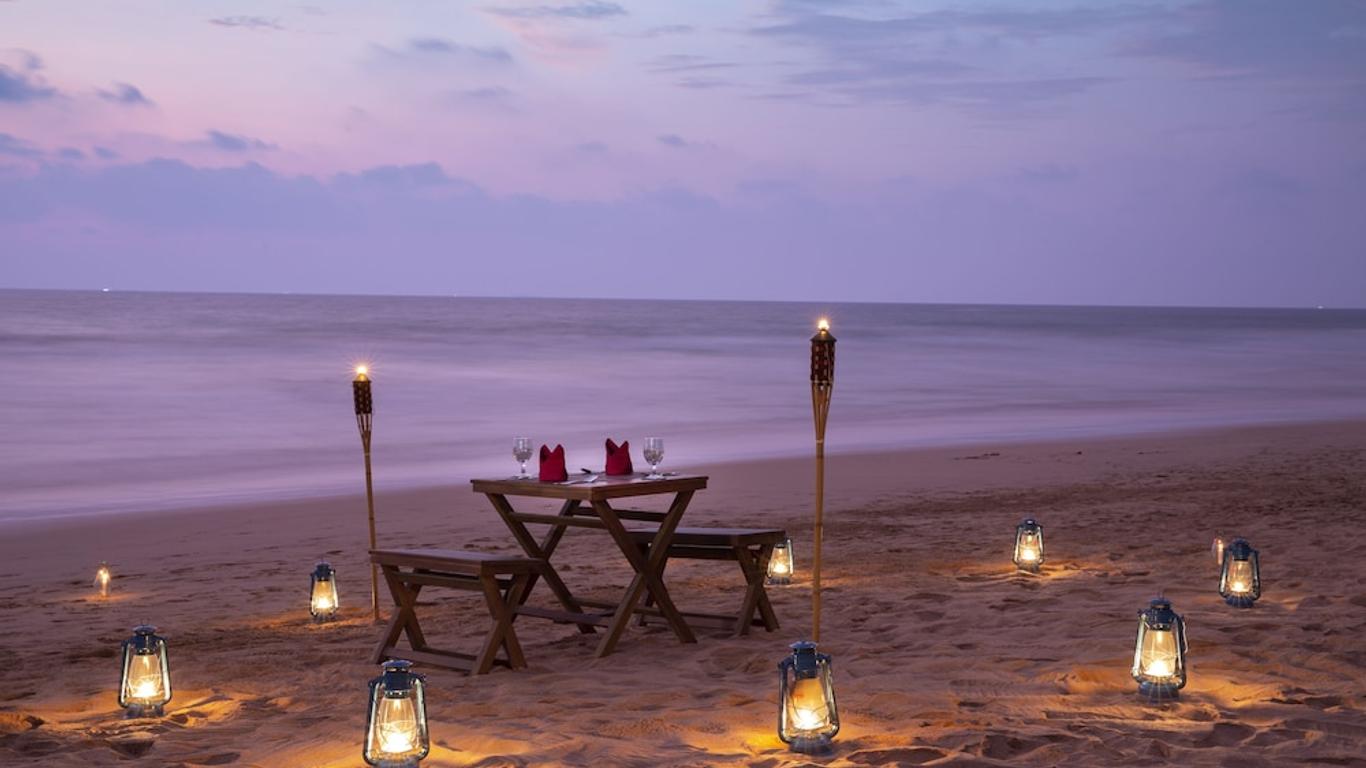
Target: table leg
(647,572)
(542,551)
(404,620)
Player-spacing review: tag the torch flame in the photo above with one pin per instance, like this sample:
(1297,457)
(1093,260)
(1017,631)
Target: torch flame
(361,370)
(823,324)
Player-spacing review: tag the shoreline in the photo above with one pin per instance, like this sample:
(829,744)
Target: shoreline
(913,453)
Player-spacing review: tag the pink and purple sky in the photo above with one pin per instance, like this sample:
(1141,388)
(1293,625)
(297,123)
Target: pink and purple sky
(1205,152)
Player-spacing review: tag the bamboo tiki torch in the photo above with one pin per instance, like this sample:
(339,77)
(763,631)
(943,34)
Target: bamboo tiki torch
(822,382)
(365,413)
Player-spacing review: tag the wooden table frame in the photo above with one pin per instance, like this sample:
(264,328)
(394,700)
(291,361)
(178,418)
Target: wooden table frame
(599,513)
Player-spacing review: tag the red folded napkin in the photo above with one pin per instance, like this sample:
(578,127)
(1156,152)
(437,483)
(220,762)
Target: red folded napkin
(619,458)
(552,465)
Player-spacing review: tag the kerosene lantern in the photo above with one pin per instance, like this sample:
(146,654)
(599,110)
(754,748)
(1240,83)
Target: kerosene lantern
(146,685)
(1029,546)
(1240,576)
(396,728)
(102,579)
(808,719)
(780,565)
(1160,652)
(323,601)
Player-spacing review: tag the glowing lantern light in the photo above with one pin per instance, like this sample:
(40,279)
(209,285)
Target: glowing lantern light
(1240,577)
(1029,546)
(807,716)
(780,565)
(396,729)
(146,685)
(1160,652)
(323,601)
(102,577)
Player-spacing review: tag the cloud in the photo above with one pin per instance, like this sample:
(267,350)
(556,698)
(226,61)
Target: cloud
(105,153)
(1269,38)
(70,153)
(229,142)
(128,95)
(13,146)
(590,9)
(591,148)
(666,30)
(494,97)
(169,225)
(247,22)
(675,141)
(673,63)
(429,48)
(19,88)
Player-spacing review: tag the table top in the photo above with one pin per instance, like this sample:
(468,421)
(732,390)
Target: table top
(605,487)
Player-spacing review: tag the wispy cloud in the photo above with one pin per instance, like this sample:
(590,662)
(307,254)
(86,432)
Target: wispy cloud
(1265,38)
(248,22)
(674,141)
(18,87)
(595,148)
(123,93)
(673,63)
(440,47)
(229,142)
(589,10)
(13,146)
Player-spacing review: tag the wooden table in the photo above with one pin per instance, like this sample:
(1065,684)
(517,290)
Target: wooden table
(587,505)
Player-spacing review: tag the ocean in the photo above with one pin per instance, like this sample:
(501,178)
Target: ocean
(139,401)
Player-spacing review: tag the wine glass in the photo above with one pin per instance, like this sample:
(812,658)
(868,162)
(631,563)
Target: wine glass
(654,454)
(521,451)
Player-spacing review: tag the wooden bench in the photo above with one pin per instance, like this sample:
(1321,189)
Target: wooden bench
(749,547)
(503,580)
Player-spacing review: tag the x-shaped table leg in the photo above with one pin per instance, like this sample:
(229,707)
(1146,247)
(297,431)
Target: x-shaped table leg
(404,620)
(542,550)
(648,572)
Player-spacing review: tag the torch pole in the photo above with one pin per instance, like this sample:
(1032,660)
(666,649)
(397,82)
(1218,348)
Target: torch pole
(822,384)
(370,507)
(820,405)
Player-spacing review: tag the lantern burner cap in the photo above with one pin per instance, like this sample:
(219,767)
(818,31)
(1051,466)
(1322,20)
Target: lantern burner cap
(144,629)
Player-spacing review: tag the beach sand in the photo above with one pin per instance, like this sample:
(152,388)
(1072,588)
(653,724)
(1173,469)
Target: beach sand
(944,655)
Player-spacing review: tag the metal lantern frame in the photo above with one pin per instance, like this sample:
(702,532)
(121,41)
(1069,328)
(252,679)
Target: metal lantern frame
(1240,551)
(1027,528)
(807,673)
(323,577)
(144,647)
(397,683)
(781,558)
(1160,617)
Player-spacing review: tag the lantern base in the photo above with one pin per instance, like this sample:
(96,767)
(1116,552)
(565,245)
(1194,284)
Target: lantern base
(778,581)
(324,619)
(135,711)
(1030,567)
(1157,693)
(1240,601)
(407,762)
(811,745)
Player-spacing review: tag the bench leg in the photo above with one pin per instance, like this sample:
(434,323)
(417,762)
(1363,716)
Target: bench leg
(404,620)
(500,606)
(754,564)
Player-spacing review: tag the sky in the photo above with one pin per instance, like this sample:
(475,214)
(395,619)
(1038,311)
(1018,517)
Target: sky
(1183,152)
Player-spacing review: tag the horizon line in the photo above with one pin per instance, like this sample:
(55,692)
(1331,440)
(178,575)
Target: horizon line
(329,294)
